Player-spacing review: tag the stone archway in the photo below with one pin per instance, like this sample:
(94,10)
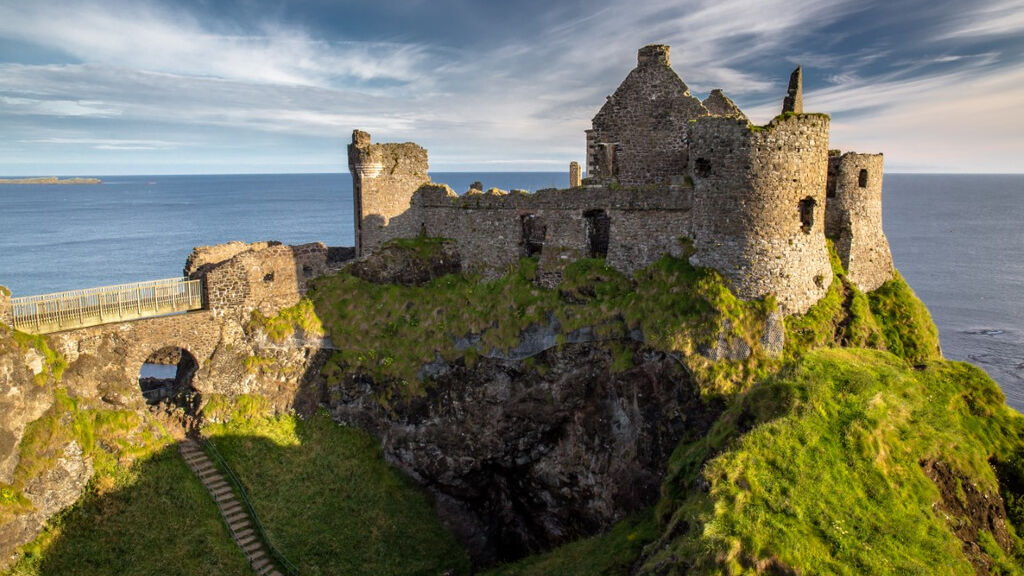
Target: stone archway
(166,378)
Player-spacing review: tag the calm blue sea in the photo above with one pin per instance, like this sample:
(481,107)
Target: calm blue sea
(957,239)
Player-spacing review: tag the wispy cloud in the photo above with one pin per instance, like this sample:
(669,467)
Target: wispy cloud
(986,18)
(156,38)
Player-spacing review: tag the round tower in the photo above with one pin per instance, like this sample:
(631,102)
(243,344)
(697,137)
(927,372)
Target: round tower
(759,206)
(853,218)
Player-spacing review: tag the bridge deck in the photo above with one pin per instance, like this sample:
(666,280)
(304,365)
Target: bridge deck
(94,306)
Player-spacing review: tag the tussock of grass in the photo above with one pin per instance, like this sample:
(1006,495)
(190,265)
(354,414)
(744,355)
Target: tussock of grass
(301,318)
(818,469)
(905,321)
(331,503)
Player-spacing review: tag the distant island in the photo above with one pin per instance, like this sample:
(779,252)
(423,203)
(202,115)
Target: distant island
(50,180)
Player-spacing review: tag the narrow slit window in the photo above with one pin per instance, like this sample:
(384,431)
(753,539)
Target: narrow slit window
(598,231)
(862,178)
(807,214)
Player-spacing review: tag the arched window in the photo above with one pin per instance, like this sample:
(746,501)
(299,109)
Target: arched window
(807,214)
(862,178)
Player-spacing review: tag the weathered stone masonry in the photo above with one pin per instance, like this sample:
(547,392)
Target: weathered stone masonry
(853,218)
(757,202)
(759,206)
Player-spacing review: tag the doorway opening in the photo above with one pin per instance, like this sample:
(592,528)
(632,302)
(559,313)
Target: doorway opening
(166,379)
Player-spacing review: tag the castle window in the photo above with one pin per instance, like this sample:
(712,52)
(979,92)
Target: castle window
(598,230)
(702,167)
(807,214)
(307,271)
(862,179)
(533,232)
(269,277)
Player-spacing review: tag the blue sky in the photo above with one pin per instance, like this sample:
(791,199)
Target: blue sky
(204,86)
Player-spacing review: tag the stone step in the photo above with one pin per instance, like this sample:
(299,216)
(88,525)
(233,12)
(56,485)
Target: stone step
(230,508)
(251,548)
(244,533)
(260,564)
(236,517)
(240,526)
(247,540)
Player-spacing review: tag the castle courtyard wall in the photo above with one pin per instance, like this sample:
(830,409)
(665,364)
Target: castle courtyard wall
(488,228)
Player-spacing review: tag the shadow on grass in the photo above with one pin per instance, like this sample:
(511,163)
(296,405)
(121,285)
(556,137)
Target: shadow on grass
(153,518)
(331,503)
(324,492)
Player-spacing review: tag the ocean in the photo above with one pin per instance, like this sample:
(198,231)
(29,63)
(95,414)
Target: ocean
(957,239)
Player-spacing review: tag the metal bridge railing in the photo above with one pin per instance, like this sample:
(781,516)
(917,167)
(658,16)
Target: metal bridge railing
(94,306)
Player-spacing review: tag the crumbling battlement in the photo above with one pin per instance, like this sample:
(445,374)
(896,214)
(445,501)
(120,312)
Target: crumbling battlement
(264,276)
(631,228)
(662,167)
(384,176)
(853,218)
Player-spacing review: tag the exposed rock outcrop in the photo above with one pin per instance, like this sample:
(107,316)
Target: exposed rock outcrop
(526,455)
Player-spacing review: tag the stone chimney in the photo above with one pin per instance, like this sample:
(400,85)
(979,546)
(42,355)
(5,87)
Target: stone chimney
(794,101)
(653,55)
(575,175)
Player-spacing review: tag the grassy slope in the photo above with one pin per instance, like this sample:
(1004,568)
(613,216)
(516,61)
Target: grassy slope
(331,503)
(831,483)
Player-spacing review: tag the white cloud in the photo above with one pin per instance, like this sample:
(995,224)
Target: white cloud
(150,37)
(1000,18)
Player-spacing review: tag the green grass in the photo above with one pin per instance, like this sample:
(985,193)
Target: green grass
(818,469)
(150,518)
(610,554)
(389,332)
(331,503)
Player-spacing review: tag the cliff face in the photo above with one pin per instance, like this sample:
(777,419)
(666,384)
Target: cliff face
(526,456)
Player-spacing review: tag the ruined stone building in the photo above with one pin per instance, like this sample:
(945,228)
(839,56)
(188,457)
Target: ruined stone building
(757,202)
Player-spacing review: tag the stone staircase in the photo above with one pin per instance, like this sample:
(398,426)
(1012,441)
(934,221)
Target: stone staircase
(234,512)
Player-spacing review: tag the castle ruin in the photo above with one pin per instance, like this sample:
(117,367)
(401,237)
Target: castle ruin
(757,202)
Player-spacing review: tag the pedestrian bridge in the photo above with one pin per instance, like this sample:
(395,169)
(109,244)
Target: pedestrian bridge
(61,311)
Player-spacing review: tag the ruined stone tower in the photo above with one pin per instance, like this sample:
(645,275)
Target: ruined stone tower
(384,178)
(853,218)
(759,206)
(638,135)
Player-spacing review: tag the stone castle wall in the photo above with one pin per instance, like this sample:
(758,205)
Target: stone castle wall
(384,177)
(637,136)
(759,206)
(264,276)
(493,230)
(853,218)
